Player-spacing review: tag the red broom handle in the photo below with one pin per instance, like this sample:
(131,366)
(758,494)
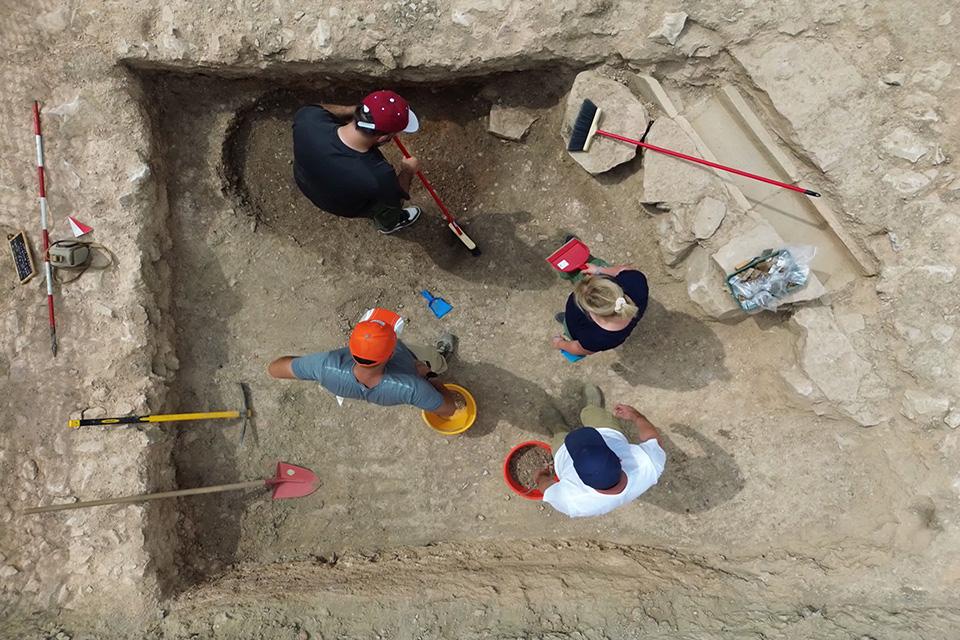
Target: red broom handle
(677,154)
(429,187)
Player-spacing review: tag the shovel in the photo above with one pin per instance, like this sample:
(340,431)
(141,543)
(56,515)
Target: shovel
(290,481)
(439,306)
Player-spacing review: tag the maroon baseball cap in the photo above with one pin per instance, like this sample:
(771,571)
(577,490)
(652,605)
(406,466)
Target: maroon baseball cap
(388,112)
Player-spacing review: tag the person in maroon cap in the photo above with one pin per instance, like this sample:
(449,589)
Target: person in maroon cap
(339,167)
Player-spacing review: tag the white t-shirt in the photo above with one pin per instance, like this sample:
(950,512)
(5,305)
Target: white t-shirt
(643,463)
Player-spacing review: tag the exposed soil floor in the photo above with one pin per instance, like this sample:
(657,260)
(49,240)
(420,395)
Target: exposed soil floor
(272,276)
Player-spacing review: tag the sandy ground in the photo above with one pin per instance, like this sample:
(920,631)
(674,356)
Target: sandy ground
(296,280)
(168,130)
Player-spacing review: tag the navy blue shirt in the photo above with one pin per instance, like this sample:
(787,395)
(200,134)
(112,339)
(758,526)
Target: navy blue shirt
(336,178)
(592,336)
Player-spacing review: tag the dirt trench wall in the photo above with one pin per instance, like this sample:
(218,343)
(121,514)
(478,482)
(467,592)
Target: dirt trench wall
(115,356)
(574,589)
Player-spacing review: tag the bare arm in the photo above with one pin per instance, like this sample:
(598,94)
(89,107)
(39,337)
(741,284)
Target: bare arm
(282,368)
(609,271)
(449,406)
(645,428)
(544,478)
(572,347)
(342,111)
(408,169)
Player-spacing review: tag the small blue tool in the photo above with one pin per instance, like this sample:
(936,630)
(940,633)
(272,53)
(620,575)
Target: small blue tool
(569,356)
(439,306)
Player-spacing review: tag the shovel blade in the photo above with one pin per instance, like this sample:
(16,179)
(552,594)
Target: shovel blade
(292,481)
(440,307)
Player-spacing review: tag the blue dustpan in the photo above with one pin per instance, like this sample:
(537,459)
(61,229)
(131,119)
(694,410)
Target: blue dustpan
(439,306)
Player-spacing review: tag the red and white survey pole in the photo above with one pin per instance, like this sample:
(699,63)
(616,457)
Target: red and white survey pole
(43,226)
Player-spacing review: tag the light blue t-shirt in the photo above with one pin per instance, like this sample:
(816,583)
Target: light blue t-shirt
(401,384)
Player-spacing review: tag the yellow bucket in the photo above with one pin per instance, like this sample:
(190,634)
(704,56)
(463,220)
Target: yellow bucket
(459,421)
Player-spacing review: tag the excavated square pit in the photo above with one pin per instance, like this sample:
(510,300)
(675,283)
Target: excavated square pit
(260,272)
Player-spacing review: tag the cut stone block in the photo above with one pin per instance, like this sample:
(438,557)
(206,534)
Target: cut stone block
(753,241)
(510,123)
(621,112)
(670,180)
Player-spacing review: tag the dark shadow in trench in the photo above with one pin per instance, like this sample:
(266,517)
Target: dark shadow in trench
(671,350)
(694,482)
(502,395)
(506,259)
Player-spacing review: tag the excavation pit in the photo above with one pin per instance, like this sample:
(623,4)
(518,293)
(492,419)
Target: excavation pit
(259,272)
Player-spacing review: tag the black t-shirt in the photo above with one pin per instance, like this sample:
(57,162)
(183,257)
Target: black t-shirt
(592,336)
(335,177)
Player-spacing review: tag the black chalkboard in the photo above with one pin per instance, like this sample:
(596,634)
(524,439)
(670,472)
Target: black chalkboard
(22,259)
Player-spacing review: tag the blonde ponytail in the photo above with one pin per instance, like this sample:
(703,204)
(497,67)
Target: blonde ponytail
(603,297)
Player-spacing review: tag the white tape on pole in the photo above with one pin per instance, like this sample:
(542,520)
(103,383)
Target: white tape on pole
(39,151)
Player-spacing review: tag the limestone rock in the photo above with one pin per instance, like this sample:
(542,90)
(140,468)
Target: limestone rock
(8,570)
(844,382)
(893,79)
(750,242)
(933,77)
(670,180)
(707,217)
(510,123)
(676,238)
(670,28)
(706,287)
(903,143)
(814,88)
(28,470)
(622,112)
(952,419)
(918,404)
(905,181)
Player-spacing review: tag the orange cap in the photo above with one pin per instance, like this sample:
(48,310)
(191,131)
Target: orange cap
(375,338)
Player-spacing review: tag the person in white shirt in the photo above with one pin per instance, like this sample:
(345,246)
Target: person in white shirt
(598,469)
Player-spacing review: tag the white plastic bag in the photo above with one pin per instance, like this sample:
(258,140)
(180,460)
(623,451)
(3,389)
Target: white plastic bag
(768,281)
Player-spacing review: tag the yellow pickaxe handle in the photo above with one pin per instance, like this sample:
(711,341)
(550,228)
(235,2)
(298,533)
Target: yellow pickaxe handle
(162,417)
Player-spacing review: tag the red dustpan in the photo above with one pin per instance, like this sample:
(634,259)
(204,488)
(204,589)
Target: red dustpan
(572,256)
(290,481)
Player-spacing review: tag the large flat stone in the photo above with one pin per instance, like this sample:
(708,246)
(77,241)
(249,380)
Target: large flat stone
(510,123)
(843,382)
(752,241)
(668,180)
(622,113)
(811,85)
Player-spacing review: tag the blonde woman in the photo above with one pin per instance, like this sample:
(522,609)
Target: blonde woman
(603,309)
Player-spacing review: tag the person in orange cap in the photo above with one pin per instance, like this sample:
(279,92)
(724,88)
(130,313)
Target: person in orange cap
(378,367)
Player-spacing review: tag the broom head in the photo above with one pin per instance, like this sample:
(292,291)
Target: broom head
(584,127)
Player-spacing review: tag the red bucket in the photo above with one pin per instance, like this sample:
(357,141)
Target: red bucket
(516,487)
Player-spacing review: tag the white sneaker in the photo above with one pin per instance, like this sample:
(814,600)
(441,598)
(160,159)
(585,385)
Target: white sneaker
(412,214)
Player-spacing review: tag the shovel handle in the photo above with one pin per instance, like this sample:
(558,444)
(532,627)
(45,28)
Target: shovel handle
(148,496)
(163,417)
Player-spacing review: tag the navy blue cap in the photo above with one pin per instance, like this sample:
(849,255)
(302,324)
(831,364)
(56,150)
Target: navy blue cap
(596,464)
